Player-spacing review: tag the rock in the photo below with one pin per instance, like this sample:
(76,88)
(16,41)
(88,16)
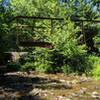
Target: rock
(95,95)
(34,92)
(13,97)
(62,80)
(27,97)
(85,79)
(83,75)
(75,81)
(68,99)
(51,93)
(75,94)
(68,86)
(97,87)
(2,97)
(45,94)
(53,83)
(63,98)
(1,91)
(83,90)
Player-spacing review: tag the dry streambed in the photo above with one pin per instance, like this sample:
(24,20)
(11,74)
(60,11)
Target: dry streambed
(40,86)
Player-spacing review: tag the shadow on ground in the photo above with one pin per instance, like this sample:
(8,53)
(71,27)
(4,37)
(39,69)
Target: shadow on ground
(17,86)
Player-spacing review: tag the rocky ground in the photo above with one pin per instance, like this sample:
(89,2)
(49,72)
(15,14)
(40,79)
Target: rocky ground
(40,86)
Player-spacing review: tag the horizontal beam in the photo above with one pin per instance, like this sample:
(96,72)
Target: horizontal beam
(35,17)
(36,43)
(21,26)
(53,18)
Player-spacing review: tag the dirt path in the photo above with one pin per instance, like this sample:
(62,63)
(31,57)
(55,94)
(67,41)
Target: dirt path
(40,86)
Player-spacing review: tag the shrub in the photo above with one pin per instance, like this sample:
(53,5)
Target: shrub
(66,69)
(28,66)
(66,56)
(95,62)
(14,66)
(96,71)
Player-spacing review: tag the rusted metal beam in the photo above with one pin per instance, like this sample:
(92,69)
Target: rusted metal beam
(52,18)
(36,17)
(22,26)
(36,43)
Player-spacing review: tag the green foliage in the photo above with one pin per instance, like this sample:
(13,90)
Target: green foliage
(37,8)
(97,39)
(7,39)
(66,69)
(28,66)
(66,55)
(96,71)
(14,66)
(42,60)
(95,63)
(83,9)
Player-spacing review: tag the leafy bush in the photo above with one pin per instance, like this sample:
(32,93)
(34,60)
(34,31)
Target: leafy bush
(96,71)
(42,60)
(66,55)
(14,66)
(95,62)
(66,69)
(28,66)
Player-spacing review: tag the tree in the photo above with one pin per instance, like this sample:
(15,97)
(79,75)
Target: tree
(83,9)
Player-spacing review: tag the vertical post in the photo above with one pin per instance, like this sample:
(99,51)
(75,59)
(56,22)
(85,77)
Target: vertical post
(17,39)
(83,31)
(33,24)
(52,26)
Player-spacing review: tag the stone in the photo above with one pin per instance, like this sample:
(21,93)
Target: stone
(2,97)
(75,81)
(97,87)
(95,95)
(34,92)
(83,90)
(62,81)
(63,98)
(75,94)
(1,91)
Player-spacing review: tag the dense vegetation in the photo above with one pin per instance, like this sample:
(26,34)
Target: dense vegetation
(66,56)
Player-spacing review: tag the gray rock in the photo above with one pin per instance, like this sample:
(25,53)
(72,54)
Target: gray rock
(95,95)
(97,87)
(2,97)
(75,94)
(83,90)
(35,92)
(63,98)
